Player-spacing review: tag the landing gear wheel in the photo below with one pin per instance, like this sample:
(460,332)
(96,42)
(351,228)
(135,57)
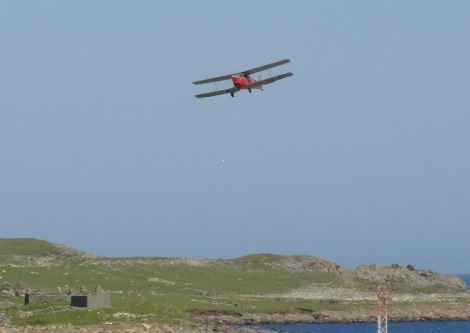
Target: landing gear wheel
(249,90)
(232,94)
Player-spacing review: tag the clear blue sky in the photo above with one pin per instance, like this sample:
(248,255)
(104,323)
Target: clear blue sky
(361,157)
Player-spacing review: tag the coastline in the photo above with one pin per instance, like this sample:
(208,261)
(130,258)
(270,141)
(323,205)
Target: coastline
(457,312)
(235,322)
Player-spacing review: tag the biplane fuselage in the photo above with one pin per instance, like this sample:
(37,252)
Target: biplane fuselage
(243,80)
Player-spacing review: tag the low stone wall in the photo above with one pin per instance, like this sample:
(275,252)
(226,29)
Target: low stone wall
(46,298)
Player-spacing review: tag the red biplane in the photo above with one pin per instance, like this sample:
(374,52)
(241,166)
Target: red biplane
(243,80)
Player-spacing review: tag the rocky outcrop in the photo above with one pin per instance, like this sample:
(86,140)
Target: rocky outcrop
(402,278)
(396,277)
(6,290)
(295,263)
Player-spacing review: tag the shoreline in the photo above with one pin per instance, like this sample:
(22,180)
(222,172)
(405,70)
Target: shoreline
(418,313)
(234,322)
(142,327)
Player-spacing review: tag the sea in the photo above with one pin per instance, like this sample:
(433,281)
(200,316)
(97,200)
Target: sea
(393,327)
(465,277)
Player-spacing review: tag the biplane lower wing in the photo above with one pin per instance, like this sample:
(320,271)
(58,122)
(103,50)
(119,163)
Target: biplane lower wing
(270,80)
(218,92)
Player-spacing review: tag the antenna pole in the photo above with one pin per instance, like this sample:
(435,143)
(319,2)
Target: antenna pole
(382,309)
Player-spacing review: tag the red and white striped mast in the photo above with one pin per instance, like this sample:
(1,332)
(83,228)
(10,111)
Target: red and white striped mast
(382,309)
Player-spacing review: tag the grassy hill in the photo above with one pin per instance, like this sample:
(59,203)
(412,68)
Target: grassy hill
(28,247)
(172,290)
(11,247)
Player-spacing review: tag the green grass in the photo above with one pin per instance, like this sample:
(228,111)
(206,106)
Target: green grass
(175,290)
(72,317)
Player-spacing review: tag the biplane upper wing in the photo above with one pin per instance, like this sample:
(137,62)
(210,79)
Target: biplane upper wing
(270,80)
(265,67)
(246,72)
(214,79)
(217,92)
